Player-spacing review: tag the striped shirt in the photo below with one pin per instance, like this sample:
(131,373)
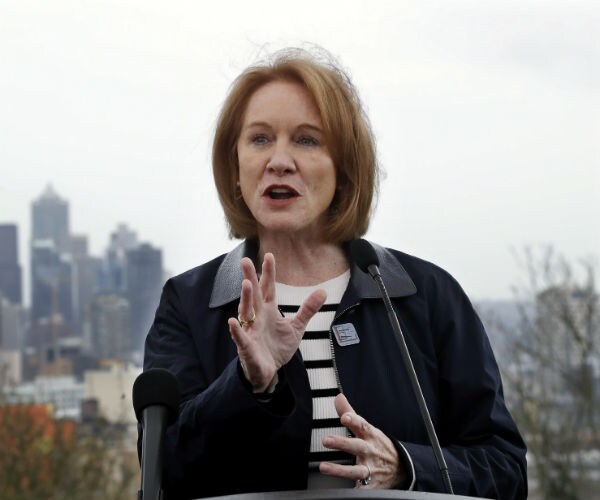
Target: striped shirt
(316,350)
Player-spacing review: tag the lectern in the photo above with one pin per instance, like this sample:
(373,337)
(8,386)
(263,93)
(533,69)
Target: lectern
(342,494)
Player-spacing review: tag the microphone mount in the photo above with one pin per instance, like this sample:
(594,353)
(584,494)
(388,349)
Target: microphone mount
(365,257)
(155,401)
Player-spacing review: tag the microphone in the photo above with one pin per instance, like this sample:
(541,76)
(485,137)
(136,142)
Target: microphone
(155,401)
(363,254)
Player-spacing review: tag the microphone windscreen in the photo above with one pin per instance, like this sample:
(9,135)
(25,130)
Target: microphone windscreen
(156,386)
(363,254)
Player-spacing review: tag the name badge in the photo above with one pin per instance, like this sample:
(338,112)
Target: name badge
(345,334)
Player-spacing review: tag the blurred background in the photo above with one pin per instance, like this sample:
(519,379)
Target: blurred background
(487,119)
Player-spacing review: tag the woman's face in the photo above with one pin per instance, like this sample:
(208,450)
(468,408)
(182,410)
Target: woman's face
(286,174)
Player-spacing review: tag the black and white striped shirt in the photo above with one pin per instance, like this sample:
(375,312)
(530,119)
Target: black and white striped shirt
(316,350)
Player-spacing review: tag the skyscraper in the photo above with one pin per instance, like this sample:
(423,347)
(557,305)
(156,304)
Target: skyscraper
(12,325)
(51,290)
(10,271)
(85,273)
(51,283)
(50,220)
(113,276)
(144,279)
(110,326)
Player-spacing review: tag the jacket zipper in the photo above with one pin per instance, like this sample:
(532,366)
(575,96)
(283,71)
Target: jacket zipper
(332,348)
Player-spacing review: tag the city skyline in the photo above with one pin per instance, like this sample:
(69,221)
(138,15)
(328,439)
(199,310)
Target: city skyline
(486,117)
(85,309)
(76,243)
(98,248)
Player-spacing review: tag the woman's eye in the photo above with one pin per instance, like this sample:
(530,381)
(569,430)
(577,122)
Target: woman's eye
(308,141)
(259,139)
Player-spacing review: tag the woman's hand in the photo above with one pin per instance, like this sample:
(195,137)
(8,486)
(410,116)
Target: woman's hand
(266,340)
(377,460)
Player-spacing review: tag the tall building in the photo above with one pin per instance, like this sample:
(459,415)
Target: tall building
(110,326)
(121,241)
(51,282)
(10,271)
(85,280)
(144,279)
(50,220)
(51,287)
(12,325)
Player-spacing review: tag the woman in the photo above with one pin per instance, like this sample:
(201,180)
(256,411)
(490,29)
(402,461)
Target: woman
(290,374)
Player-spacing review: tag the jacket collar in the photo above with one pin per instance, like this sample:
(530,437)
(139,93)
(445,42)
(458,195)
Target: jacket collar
(228,280)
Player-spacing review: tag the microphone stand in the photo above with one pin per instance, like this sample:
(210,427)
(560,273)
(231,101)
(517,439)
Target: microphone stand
(152,459)
(437,450)
(155,401)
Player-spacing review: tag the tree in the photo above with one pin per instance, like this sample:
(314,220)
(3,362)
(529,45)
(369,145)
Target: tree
(553,380)
(43,458)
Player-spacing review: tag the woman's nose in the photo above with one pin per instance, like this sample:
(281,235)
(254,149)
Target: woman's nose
(281,161)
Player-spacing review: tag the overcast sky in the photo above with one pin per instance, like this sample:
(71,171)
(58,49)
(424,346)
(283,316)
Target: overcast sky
(487,117)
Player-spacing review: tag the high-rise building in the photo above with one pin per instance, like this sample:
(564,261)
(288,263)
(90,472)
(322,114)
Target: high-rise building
(51,282)
(50,220)
(113,276)
(51,287)
(12,325)
(10,271)
(110,326)
(144,275)
(85,279)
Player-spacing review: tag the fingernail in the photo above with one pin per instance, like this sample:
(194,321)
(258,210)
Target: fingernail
(346,419)
(327,441)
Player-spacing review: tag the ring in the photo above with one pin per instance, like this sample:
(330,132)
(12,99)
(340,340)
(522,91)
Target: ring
(247,322)
(367,480)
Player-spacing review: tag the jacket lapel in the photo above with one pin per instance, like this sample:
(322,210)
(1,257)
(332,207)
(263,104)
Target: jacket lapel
(228,281)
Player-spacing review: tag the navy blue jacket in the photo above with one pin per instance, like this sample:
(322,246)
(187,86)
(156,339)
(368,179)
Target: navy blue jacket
(224,431)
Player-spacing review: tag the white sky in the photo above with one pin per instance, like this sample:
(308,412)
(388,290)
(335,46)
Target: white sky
(487,115)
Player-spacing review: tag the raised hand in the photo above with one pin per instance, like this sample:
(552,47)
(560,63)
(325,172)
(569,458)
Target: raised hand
(377,462)
(266,340)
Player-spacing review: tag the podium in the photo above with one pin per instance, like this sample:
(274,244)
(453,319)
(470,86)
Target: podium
(342,494)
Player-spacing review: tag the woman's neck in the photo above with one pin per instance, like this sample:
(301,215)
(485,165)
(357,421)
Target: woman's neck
(304,263)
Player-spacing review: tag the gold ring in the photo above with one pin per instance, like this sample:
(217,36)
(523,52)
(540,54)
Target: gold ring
(247,322)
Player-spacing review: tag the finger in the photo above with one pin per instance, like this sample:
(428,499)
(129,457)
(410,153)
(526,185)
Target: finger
(248,270)
(353,446)
(237,334)
(267,279)
(342,405)
(246,306)
(249,273)
(357,425)
(308,309)
(354,472)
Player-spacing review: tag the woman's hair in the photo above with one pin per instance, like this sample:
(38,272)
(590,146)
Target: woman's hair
(347,134)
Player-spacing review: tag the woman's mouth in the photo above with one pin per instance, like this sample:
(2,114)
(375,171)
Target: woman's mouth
(280,193)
